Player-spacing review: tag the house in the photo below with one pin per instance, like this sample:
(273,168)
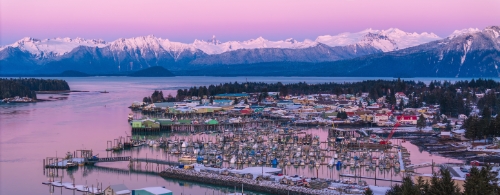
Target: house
(380,117)
(284,103)
(117,189)
(459,135)
(407,119)
(222,102)
(445,135)
(496,141)
(400,95)
(152,191)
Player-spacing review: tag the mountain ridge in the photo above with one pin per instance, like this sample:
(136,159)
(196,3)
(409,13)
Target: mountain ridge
(353,54)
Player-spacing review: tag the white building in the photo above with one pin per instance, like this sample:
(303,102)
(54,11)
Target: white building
(117,189)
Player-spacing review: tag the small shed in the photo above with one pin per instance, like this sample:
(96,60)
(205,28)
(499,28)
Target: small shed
(117,189)
(152,191)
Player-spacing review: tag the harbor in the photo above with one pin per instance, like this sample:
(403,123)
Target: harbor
(345,157)
(101,121)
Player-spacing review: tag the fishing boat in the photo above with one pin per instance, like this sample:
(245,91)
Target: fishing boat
(233,160)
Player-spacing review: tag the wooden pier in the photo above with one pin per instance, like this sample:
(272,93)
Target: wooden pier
(364,177)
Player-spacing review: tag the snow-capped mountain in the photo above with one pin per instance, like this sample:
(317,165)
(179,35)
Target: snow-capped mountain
(47,48)
(466,53)
(385,40)
(359,51)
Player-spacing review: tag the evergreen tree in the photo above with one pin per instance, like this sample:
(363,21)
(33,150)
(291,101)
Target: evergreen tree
(435,119)
(496,125)
(445,120)
(406,188)
(443,185)
(421,122)
(392,98)
(481,182)
(448,126)
(472,127)
(424,187)
(368,191)
(401,104)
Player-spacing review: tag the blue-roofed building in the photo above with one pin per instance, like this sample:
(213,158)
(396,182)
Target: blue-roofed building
(222,102)
(284,103)
(232,96)
(164,105)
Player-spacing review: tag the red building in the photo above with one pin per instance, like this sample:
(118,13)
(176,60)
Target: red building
(408,119)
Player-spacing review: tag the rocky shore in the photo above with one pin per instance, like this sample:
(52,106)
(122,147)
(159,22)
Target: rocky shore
(248,184)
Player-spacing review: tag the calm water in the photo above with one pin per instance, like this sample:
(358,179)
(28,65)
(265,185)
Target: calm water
(86,120)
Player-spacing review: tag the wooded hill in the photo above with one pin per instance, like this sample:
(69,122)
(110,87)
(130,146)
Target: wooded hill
(26,87)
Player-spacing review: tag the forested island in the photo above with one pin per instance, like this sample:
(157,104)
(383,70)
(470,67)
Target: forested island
(26,87)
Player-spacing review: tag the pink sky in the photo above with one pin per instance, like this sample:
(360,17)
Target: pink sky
(186,20)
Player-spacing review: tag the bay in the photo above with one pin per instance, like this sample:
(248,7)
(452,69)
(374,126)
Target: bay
(31,132)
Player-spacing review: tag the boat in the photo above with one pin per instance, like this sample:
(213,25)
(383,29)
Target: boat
(187,158)
(71,164)
(332,162)
(104,91)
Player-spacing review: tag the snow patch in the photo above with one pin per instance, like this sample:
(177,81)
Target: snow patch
(466,47)
(457,33)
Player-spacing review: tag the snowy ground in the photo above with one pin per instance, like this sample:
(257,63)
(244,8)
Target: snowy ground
(483,148)
(378,190)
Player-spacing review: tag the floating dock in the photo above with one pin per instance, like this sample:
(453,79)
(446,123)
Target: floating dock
(269,187)
(401,162)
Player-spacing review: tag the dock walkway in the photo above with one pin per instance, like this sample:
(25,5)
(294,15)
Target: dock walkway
(114,159)
(364,177)
(401,162)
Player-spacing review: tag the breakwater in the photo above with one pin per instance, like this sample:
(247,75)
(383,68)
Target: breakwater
(269,187)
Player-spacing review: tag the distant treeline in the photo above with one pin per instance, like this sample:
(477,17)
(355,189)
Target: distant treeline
(26,87)
(444,93)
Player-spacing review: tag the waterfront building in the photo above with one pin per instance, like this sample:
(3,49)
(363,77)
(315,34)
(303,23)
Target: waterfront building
(117,189)
(232,96)
(152,191)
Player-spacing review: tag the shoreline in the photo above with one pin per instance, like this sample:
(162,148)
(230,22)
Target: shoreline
(57,92)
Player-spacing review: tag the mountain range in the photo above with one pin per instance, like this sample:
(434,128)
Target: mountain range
(391,52)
